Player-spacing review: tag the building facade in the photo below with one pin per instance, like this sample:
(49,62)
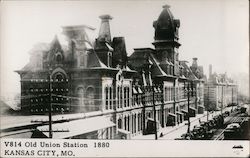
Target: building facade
(99,78)
(220,91)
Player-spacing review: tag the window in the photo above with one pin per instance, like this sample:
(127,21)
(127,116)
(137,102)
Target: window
(107,133)
(90,96)
(106,98)
(81,58)
(118,96)
(128,97)
(121,101)
(110,98)
(125,96)
(80,93)
(58,58)
(120,123)
(139,122)
(125,123)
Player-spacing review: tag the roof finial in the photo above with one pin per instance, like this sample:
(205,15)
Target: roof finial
(166,6)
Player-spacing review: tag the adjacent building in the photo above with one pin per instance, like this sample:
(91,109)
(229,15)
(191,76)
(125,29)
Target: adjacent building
(97,78)
(220,91)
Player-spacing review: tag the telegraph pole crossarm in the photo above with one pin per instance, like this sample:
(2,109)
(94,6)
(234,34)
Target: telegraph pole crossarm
(156,137)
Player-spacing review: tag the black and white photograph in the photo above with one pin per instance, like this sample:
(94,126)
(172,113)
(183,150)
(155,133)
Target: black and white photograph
(97,76)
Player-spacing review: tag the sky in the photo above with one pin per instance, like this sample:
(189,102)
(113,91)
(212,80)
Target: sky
(214,31)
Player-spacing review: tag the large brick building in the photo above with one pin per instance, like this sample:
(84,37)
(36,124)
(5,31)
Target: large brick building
(220,91)
(98,76)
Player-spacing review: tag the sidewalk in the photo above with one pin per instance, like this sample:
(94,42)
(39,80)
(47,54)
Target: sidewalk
(172,132)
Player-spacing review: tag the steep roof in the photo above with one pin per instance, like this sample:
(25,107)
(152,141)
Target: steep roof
(94,61)
(165,25)
(188,72)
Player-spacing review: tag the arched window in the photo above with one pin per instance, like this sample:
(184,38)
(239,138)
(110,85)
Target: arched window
(80,95)
(90,96)
(59,77)
(82,58)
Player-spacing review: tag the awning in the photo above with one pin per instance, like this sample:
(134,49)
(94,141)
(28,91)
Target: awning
(183,110)
(134,91)
(192,108)
(159,89)
(150,119)
(123,131)
(139,90)
(171,114)
(155,90)
(26,133)
(178,112)
(201,106)
(78,127)
(171,63)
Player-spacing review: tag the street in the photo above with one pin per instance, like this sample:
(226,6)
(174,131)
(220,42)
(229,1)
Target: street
(173,132)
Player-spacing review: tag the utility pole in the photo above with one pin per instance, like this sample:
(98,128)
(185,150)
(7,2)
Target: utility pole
(188,94)
(154,112)
(50,105)
(221,98)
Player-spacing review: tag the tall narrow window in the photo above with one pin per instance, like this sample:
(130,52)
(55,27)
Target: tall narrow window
(106,98)
(90,96)
(80,93)
(128,97)
(110,98)
(125,96)
(120,123)
(82,59)
(125,123)
(118,97)
(121,101)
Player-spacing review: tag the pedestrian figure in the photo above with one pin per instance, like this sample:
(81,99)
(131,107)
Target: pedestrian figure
(161,135)
(199,120)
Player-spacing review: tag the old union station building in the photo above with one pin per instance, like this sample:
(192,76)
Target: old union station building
(114,94)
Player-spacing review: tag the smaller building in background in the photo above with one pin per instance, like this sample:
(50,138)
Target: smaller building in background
(220,91)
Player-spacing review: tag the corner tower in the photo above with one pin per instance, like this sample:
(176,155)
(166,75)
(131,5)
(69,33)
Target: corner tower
(166,38)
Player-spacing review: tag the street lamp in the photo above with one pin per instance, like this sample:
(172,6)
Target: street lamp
(208,101)
(187,90)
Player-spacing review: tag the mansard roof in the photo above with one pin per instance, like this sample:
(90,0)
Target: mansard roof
(94,61)
(188,72)
(145,56)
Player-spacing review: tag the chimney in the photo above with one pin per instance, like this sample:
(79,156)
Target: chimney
(194,64)
(104,32)
(120,53)
(210,71)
